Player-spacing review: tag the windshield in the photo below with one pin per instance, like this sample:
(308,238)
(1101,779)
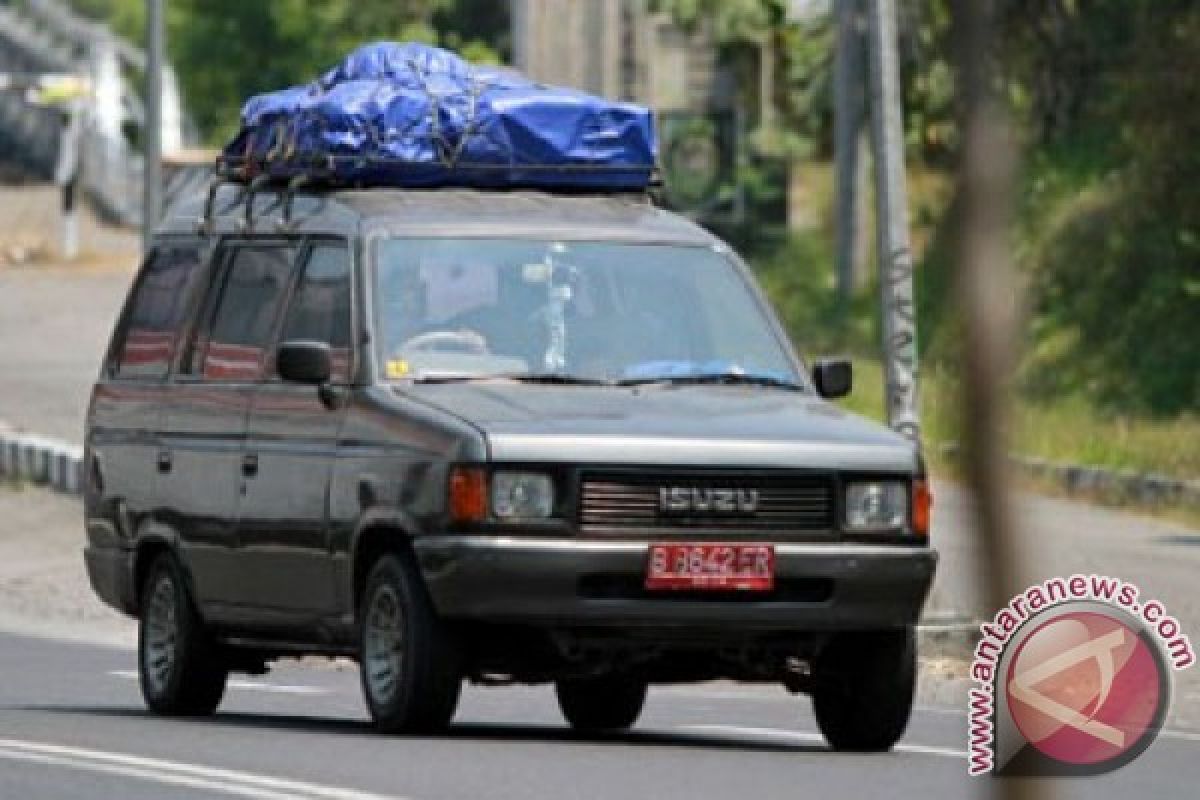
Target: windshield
(462,308)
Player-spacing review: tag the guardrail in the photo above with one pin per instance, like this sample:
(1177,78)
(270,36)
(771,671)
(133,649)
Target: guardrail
(1145,488)
(41,460)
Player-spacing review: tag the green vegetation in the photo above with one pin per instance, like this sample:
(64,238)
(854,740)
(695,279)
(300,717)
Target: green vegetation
(1107,232)
(227,50)
(1073,427)
(1069,430)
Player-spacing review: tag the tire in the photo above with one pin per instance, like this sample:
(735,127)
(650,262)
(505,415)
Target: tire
(607,703)
(409,660)
(180,668)
(864,687)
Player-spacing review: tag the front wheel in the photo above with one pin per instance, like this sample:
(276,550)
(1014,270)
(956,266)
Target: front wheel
(864,687)
(606,703)
(180,668)
(409,659)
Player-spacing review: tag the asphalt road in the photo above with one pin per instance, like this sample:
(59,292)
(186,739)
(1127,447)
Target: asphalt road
(54,327)
(72,725)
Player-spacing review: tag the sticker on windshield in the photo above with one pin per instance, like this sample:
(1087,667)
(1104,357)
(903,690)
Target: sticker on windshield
(397,368)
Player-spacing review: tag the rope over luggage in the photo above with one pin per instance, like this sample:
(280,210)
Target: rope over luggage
(411,115)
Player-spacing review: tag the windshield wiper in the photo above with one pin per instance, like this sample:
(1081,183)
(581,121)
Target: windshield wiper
(547,378)
(718,378)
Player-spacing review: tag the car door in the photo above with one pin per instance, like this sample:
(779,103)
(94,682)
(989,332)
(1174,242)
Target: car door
(292,437)
(126,408)
(205,415)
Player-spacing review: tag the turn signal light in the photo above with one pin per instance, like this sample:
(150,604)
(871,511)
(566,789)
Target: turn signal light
(468,494)
(921,506)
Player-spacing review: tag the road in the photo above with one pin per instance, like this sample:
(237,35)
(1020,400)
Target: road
(54,327)
(301,732)
(72,725)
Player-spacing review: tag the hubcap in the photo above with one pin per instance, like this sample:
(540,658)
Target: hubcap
(162,635)
(383,644)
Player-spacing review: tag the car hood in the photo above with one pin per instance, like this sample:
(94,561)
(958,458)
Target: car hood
(677,425)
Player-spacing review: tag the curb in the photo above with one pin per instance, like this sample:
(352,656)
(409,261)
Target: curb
(1147,488)
(942,636)
(41,460)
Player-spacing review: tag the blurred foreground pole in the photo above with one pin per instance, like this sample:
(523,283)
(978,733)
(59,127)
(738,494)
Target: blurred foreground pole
(891,220)
(849,111)
(988,298)
(152,165)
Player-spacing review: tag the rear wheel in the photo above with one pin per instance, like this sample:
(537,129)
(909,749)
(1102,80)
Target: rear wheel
(606,703)
(180,667)
(409,659)
(864,689)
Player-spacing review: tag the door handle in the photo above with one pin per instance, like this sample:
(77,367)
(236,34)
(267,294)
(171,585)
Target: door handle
(250,465)
(164,461)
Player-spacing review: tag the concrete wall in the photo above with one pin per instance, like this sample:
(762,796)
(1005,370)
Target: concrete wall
(618,49)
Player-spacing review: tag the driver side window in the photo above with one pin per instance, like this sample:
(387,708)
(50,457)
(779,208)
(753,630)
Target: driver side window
(320,310)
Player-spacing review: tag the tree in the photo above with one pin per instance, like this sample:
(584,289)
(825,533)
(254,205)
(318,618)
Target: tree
(224,51)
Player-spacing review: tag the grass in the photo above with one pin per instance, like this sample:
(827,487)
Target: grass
(1063,430)
(1069,431)
(1064,426)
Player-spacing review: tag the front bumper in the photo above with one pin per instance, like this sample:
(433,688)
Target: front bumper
(597,583)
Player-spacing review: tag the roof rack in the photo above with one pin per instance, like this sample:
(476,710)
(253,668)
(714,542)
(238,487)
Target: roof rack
(250,183)
(327,171)
(246,194)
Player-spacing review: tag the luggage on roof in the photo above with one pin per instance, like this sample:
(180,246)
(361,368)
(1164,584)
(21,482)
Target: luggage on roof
(411,115)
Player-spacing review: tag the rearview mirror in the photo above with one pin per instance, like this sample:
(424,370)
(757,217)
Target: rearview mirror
(834,377)
(304,362)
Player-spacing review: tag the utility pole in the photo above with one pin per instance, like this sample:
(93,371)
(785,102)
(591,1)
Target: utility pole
(891,219)
(152,164)
(849,111)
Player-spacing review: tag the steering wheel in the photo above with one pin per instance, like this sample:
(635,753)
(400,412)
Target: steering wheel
(460,341)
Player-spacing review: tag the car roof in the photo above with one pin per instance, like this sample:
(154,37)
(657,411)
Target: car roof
(629,217)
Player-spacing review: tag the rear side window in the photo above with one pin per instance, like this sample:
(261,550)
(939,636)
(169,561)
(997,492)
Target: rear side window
(234,347)
(152,330)
(321,309)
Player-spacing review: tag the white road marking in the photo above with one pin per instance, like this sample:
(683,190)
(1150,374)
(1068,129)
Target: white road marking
(753,694)
(243,685)
(1166,733)
(809,736)
(732,693)
(1185,736)
(175,773)
(954,712)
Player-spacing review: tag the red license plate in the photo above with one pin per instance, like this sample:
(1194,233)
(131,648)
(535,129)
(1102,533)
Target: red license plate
(742,567)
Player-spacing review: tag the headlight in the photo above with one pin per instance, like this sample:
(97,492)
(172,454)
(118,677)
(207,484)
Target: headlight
(522,495)
(876,505)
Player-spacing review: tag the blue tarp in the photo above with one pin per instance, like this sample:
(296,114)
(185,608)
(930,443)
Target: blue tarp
(413,115)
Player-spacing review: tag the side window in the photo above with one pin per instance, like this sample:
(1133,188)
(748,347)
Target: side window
(152,330)
(234,346)
(320,309)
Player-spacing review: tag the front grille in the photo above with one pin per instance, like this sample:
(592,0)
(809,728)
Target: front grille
(785,502)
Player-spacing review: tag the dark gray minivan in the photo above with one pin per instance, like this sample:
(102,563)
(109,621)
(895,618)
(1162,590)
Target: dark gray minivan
(497,436)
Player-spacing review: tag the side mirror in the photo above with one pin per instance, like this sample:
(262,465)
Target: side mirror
(834,377)
(304,362)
